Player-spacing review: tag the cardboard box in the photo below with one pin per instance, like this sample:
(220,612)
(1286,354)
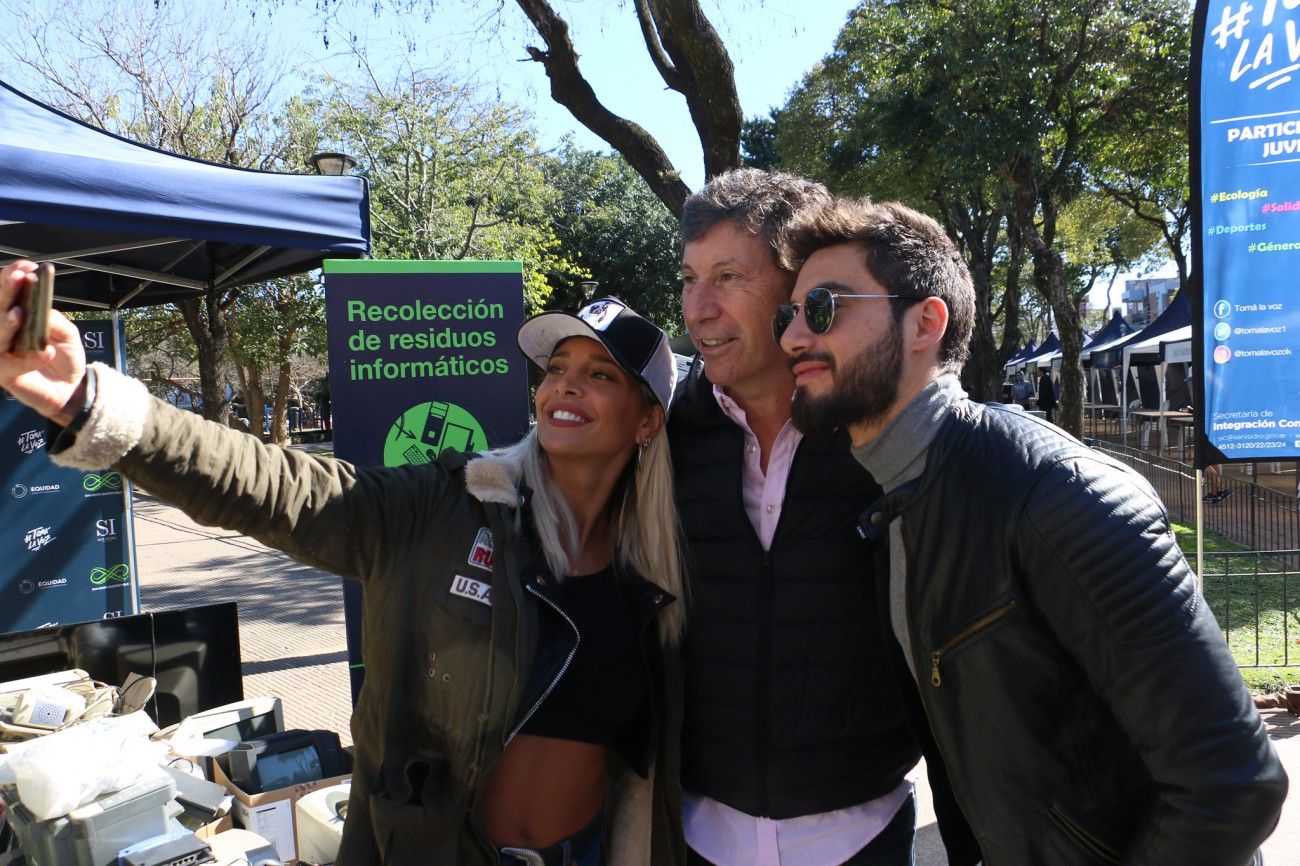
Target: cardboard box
(271,814)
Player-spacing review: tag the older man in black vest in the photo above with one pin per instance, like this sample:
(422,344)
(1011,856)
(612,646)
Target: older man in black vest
(794,745)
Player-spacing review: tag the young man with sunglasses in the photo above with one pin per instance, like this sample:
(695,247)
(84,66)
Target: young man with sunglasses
(1071,687)
(794,746)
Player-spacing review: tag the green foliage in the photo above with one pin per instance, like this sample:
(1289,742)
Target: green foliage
(161,351)
(1006,91)
(996,118)
(758,144)
(451,176)
(617,232)
(275,321)
(1098,234)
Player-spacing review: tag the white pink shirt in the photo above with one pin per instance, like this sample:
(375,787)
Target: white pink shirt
(727,836)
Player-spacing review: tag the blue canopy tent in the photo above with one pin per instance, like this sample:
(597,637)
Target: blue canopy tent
(1104,389)
(1177,315)
(1169,324)
(1113,330)
(1018,359)
(130,225)
(1043,354)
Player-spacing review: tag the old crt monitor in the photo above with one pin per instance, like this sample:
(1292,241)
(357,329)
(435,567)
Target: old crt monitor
(242,720)
(288,758)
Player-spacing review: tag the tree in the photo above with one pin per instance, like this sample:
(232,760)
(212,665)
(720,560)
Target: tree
(840,127)
(451,176)
(681,41)
(1090,75)
(273,324)
(619,234)
(1100,238)
(691,59)
(1017,103)
(192,86)
(1148,173)
(758,147)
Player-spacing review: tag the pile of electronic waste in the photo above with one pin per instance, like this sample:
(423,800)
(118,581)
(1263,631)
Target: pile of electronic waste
(88,779)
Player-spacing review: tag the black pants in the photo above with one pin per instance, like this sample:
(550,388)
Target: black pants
(894,846)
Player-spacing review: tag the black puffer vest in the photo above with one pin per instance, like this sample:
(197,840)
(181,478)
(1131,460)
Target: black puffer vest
(790,707)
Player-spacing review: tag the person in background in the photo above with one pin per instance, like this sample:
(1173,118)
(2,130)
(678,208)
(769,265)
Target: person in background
(1216,486)
(1046,394)
(794,746)
(1071,687)
(1022,391)
(518,603)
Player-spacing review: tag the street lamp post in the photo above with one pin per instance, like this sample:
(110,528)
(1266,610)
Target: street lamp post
(331,163)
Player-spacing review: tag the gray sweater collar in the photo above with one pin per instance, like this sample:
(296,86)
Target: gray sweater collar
(897,455)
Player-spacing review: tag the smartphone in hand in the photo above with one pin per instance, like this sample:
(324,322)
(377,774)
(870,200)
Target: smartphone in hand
(37,302)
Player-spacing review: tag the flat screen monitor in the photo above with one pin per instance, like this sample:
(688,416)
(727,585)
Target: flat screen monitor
(282,769)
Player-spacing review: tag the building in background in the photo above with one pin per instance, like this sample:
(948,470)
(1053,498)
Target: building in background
(1147,298)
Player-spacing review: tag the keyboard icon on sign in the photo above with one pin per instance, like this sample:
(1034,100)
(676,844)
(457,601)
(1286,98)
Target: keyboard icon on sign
(421,433)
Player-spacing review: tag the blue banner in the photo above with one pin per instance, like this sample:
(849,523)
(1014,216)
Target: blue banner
(1246,247)
(65,541)
(422,357)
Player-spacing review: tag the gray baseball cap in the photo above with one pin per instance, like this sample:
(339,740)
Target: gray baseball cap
(633,341)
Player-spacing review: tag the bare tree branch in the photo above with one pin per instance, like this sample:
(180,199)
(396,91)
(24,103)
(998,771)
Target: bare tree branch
(570,89)
(708,79)
(654,46)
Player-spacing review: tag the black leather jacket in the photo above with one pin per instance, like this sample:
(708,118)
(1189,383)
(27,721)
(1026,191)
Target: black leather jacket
(1077,688)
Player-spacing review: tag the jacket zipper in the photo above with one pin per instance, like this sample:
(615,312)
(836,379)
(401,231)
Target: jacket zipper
(925,704)
(564,667)
(485,709)
(978,625)
(1089,841)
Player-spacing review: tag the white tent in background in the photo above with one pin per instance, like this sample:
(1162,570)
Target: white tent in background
(1148,347)
(1172,347)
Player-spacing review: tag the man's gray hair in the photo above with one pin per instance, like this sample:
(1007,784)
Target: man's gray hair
(763,202)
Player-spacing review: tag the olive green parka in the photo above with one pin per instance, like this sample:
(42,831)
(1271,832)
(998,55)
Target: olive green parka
(453,585)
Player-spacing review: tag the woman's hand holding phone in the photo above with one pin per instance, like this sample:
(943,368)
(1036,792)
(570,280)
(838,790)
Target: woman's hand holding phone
(50,379)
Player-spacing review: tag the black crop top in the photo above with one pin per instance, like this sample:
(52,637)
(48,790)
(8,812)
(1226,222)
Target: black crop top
(606,682)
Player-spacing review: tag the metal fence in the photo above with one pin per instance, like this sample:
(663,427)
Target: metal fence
(1255,596)
(1252,516)
(1254,593)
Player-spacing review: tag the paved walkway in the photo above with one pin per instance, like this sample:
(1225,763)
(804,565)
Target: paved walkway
(290,616)
(291,634)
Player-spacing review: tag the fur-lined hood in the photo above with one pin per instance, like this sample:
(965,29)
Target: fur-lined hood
(495,477)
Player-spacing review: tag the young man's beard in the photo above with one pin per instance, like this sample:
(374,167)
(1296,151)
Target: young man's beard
(863,391)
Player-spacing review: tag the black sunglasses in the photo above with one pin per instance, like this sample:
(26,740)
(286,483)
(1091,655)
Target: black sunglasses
(818,310)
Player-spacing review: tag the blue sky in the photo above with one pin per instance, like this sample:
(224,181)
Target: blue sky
(773,43)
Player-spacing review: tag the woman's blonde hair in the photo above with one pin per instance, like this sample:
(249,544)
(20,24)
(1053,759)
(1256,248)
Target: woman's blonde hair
(643,520)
